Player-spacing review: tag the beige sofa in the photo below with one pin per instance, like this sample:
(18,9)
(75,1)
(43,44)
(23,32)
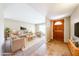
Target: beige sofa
(17,45)
(17,40)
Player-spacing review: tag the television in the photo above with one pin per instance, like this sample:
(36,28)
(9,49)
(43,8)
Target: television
(22,28)
(76,29)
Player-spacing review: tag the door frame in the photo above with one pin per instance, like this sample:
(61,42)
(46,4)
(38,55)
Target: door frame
(52,25)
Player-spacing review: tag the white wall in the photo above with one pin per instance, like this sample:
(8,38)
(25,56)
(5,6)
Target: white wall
(48,30)
(2,8)
(1,34)
(15,25)
(66,29)
(51,29)
(74,19)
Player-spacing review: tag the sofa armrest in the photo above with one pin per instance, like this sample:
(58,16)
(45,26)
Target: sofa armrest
(74,50)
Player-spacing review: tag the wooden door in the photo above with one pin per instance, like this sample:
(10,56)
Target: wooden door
(58,30)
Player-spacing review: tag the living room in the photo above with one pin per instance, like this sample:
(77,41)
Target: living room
(23,34)
(34,28)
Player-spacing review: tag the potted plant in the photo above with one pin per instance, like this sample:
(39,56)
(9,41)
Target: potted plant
(7,32)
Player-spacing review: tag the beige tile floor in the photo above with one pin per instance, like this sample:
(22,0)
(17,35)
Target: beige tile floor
(52,48)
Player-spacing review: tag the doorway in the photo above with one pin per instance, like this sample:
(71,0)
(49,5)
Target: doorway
(58,30)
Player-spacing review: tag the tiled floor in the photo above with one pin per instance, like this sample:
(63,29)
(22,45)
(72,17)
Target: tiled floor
(52,48)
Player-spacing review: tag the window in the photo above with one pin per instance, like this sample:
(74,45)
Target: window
(42,28)
(58,23)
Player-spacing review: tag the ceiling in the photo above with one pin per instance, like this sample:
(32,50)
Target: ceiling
(36,12)
(55,10)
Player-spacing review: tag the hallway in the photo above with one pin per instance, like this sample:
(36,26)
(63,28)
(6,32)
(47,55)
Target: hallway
(52,48)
